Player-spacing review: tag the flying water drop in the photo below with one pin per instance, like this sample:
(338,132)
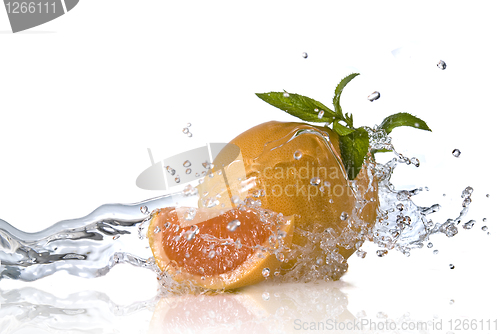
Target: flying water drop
(441,65)
(469,224)
(382,252)
(373,96)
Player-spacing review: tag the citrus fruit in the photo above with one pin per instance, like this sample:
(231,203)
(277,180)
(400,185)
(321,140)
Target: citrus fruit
(238,247)
(296,169)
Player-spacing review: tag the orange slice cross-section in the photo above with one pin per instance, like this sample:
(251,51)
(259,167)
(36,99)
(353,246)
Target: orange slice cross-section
(239,247)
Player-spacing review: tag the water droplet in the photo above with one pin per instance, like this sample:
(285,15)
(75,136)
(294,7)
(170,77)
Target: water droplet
(415,162)
(452,266)
(484,228)
(382,252)
(315,181)
(187,255)
(190,214)
(189,235)
(157,229)
(316,110)
(297,155)
(177,179)
(189,134)
(467,191)
(344,216)
(266,272)
(280,257)
(485,220)
(238,244)
(450,229)
(235,199)
(187,163)
(170,170)
(233,225)
(211,202)
(321,114)
(266,296)
(188,125)
(400,207)
(207,165)
(361,253)
(373,96)
(452,301)
(304,55)
(285,94)
(435,252)
(144,210)
(456,153)
(441,65)
(185,130)
(487,195)
(211,254)
(188,171)
(167,225)
(429,245)
(469,224)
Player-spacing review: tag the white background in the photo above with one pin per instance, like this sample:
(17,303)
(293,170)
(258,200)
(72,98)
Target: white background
(84,96)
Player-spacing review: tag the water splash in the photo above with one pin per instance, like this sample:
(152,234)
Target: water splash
(87,247)
(115,233)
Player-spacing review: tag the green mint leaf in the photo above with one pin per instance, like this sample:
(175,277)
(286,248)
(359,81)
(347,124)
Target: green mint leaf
(341,129)
(353,149)
(403,119)
(299,106)
(336,98)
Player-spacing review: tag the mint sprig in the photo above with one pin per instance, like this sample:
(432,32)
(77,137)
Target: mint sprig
(353,142)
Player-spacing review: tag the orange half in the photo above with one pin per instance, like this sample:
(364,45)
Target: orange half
(239,247)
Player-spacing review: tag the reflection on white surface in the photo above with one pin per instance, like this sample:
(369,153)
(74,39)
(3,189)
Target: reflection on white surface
(29,310)
(376,294)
